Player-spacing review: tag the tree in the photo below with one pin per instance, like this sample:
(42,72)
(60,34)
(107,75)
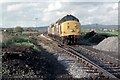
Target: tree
(10,30)
(19,29)
(29,29)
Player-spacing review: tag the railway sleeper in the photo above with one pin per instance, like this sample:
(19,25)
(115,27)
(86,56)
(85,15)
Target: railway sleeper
(115,68)
(99,78)
(85,68)
(112,71)
(116,74)
(103,58)
(107,64)
(111,61)
(79,60)
(90,71)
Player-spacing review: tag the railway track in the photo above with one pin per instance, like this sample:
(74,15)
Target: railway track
(102,66)
(91,66)
(107,62)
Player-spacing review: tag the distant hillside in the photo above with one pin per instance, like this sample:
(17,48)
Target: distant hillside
(89,26)
(99,26)
(42,29)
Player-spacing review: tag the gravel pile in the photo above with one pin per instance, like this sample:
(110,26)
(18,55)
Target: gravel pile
(109,44)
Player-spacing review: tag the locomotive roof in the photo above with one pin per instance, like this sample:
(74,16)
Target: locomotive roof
(51,25)
(67,18)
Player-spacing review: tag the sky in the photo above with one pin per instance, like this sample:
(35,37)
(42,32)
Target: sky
(24,13)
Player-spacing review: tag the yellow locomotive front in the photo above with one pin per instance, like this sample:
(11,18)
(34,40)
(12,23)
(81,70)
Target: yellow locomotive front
(70,29)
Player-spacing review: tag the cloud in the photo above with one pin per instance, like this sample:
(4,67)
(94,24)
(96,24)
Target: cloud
(88,20)
(14,7)
(115,6)
(22,13)
(93,9)
(85,0)
(6,1)
(49,18)
(20,5)
(53,6)
(0,16)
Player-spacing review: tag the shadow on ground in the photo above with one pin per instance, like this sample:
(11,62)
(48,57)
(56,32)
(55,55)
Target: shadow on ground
(32,64)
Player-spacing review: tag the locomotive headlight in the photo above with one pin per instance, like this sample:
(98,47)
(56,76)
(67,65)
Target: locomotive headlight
(72,30)
(63,32)
(76,26)
(78,31)
(67,27)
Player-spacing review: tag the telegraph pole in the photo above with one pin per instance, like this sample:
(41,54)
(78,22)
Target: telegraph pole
(36,19)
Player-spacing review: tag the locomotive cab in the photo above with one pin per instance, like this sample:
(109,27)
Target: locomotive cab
(70,28)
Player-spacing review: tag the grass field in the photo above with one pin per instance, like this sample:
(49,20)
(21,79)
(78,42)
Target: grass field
(109,33)
(18,41)
(115,33)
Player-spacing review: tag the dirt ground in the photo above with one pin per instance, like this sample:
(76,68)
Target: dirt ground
(33,64)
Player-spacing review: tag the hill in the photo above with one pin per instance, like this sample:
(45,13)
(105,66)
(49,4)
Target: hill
(99,26)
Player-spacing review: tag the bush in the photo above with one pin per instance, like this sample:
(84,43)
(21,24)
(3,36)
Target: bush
(13,40)
(97,38)
(89,34)
(20,41)
(33,40)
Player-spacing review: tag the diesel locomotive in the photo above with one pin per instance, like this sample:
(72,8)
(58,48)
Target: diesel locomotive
(66,29)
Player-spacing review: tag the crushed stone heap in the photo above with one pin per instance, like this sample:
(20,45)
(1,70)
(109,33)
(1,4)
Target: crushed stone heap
(108,44)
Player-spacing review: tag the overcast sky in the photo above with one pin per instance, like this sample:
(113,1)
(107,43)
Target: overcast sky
(20,13)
